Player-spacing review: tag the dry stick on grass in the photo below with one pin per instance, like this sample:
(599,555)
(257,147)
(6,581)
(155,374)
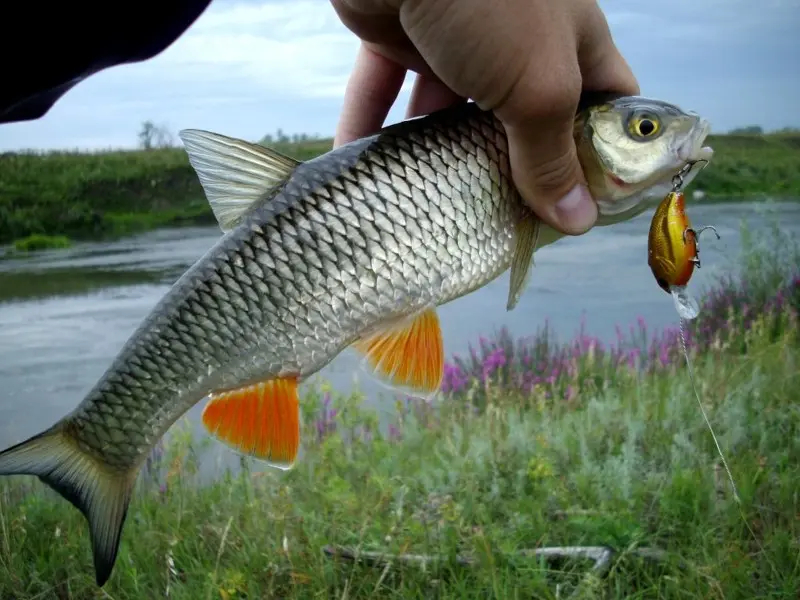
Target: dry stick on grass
(601,555)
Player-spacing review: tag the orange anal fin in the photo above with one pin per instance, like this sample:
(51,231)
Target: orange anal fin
(409,353)
(260,420)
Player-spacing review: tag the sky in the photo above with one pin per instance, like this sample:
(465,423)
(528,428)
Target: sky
(246,68)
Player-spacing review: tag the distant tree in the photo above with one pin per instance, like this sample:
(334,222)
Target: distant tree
(282,138)
(147,134)
(748,130)
(154,136)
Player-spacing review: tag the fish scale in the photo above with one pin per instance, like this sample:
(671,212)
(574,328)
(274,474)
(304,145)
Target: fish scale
(321,240)
(355,248)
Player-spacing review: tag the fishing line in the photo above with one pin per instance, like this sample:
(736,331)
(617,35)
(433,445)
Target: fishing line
(693,383)
(673,278)
(736,496)
(703,410)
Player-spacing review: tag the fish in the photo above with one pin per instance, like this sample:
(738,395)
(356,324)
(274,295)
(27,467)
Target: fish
(356,248)
(673,252)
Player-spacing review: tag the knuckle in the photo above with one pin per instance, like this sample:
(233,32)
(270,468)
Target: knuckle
(544,94)
(557,93)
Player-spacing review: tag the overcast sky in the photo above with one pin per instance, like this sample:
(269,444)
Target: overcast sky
(248,67)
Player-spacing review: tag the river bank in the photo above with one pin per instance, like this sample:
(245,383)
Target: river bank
(531,445)
(64,314)
(98,195)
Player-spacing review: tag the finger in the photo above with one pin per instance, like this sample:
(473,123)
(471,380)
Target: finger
(428,95)
(549,178)
(603,68)
(371,90)
(538,115)
(541,145)
(530,77)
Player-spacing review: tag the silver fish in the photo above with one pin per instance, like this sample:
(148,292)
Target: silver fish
(355,248)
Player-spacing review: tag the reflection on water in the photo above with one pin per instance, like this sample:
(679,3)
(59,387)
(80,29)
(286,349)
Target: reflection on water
(65,314)
(157,257)
(21,285)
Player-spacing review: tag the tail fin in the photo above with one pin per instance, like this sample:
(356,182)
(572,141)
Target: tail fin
(99,492)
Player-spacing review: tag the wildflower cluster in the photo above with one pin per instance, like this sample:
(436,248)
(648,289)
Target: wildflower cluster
(538,366)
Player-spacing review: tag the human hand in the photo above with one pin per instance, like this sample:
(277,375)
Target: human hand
(527,60)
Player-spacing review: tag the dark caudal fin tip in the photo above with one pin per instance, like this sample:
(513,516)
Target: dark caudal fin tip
(100,493)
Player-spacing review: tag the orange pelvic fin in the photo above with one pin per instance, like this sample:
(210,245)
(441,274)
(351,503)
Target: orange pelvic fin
(260,420)
(409,353)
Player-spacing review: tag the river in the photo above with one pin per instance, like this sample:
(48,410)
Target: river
(64,314)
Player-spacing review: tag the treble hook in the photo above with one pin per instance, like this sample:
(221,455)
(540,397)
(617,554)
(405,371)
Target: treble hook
(696,235)
(702,229)
(696,232)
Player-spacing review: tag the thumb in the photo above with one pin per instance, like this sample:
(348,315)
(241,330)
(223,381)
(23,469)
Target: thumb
(547,173)
(539,111)
(538,116)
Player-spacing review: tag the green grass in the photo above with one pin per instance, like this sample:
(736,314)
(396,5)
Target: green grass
(41,242)
(629,468)
(622,459)
(91,195)
(98,194)
(746,166)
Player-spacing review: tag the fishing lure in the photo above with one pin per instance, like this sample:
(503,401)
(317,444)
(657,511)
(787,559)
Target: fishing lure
(672,254)
(673,251)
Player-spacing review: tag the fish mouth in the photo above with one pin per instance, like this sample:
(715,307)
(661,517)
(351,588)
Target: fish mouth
(692,149)
(690,152)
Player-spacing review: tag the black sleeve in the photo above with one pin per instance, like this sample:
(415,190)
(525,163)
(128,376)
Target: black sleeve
(48,47)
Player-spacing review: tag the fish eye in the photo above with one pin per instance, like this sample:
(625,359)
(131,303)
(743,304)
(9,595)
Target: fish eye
(643,126)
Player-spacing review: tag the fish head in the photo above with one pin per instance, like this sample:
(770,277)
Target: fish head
(630,149)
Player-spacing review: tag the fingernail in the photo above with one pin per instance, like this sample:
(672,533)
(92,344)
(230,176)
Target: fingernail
(577,211)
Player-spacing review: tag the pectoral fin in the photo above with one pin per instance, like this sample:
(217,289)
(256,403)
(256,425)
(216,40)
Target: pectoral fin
(525,245)
(261,420)
(409,353)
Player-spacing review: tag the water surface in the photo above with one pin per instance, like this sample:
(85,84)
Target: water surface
(64,314)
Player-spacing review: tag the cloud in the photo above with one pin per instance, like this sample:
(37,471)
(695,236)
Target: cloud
(246,68)
(293,48)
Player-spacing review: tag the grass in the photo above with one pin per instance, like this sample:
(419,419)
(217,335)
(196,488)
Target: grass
(106,194)
(531,444)
(41,242)
(100,194)
(749,165)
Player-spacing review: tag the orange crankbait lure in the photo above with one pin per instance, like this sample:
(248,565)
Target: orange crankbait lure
(673,253)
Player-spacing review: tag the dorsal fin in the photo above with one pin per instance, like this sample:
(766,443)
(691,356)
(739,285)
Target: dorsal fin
(234,174)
